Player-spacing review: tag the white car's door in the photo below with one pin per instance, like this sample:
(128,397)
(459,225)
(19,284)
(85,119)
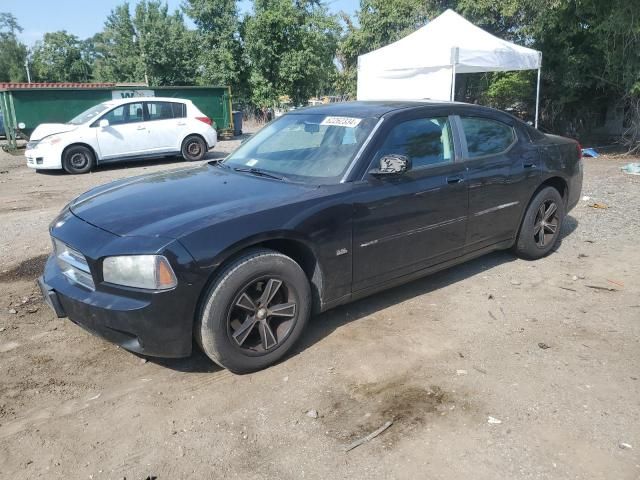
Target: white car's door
(166,124)
(126,135)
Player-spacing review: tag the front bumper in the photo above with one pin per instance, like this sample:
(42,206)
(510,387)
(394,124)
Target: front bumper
(147,327)
(146,322)
(42,158)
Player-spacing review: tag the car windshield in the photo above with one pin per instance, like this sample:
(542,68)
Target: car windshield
(311,148)
(89,114)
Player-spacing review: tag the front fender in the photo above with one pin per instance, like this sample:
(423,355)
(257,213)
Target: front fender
(324,229)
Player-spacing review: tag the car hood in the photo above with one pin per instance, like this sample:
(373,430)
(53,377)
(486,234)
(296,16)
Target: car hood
(46,129)
(171,204)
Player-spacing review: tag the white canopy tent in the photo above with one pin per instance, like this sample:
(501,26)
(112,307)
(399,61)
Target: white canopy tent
(423,65)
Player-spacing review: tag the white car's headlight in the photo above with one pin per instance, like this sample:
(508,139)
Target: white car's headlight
(152,272)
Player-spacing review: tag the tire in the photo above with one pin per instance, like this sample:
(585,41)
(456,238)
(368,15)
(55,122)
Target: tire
(250,337)
(78,159)
(193,148)
(541,225)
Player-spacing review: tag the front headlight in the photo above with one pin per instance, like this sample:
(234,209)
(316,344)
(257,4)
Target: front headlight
(152,272)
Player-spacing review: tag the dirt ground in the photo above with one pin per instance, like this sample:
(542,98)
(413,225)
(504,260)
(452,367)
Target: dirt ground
(496,369)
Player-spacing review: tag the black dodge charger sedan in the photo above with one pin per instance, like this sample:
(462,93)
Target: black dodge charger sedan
(322,206)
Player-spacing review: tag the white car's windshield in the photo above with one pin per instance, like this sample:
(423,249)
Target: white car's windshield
(313,148)
(89,114)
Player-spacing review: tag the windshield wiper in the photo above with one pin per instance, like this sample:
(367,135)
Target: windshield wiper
(259,172)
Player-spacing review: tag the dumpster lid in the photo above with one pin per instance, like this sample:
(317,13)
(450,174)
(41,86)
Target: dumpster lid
(40,85)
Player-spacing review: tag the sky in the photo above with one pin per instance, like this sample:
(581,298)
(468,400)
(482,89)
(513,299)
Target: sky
(83,18)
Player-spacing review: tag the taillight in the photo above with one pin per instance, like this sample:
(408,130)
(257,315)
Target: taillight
(206,120)
(579,147)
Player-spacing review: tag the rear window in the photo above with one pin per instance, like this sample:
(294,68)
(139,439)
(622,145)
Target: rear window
(486,137)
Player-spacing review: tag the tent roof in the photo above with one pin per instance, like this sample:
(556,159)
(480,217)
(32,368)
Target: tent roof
(436,45)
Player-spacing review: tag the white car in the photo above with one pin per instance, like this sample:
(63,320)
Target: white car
(132,128)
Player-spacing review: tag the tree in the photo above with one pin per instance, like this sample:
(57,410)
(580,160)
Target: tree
(58,58)
(591,58)
(118,57)
(220,55)
(290,46)
(13,53)
(152,45)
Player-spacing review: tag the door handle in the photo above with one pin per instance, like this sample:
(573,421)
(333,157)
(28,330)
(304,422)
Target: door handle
(181,124)
(141,128)
(529,165)
(455,179)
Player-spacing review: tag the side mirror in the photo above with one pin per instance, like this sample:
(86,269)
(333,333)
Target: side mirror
(103,123)
(392,164)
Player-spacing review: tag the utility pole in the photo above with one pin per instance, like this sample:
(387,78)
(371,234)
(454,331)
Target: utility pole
(26,66)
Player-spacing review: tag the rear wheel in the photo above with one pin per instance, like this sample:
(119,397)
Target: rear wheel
(193,148)
(78,159)
(254,312)
(540,229)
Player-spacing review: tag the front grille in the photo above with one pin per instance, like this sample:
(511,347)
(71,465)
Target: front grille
(73,264)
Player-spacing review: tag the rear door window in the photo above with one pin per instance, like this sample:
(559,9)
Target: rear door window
(165,110)
(486,137)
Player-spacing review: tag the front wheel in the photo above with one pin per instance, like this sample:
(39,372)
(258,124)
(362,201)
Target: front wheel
(78,159)
(254,312)
(193,148)
(540,229)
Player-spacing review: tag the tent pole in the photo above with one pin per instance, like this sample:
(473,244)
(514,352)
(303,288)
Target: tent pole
(454,61)
(538,92)
(453,83)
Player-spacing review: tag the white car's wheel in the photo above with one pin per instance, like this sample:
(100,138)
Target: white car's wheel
(193,148)
(78,159)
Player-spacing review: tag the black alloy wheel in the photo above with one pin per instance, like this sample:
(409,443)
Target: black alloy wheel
(546,223)
(254,311)
(262,316)
(540,228)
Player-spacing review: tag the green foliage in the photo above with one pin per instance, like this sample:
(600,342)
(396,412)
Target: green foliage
(591,57)
(290,47)
(13,53)
(118,55)
(509,88)
(58,57)
(220,54)
(152,45)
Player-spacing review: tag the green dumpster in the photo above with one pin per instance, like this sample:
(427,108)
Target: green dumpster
(25,106)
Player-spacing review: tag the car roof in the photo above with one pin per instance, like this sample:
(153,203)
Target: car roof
(377,109)
(121,101)
(363,109)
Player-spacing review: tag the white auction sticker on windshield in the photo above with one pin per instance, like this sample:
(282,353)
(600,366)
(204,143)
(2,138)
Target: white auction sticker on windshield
(252,162)
(349,122)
